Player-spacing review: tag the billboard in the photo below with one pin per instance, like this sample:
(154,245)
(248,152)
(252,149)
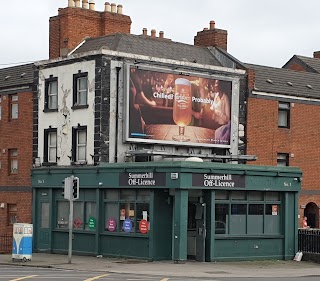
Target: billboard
(177,109)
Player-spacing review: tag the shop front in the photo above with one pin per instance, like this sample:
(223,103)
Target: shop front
(170,211)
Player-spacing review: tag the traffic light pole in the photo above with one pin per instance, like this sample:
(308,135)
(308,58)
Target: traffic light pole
(70,230)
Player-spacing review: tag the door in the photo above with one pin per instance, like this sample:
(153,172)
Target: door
(43,226)
(201,232)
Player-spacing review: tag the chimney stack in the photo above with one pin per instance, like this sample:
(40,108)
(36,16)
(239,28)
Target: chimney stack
(70,26)
(153,33)
(113,8)
(212,37)
(316,55)
(161,34)
(107,7)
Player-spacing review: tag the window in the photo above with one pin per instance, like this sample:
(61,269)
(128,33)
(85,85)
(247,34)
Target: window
(125,209)
(13,161)
(284,115)
(12,214)
(80,90)
(14,107)
(0,107)
(251,213)
(282,159)
(79,148)
(50,146)
(51,94)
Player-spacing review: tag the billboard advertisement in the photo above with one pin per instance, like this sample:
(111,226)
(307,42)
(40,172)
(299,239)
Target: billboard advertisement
(178,109)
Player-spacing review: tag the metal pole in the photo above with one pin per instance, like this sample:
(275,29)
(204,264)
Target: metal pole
(204,231)
(70,229)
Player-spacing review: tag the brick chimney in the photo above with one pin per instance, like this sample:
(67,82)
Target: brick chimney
(316,55)
(74,23)
(212,37)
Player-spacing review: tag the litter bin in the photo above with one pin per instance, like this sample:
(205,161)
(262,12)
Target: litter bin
(22,241)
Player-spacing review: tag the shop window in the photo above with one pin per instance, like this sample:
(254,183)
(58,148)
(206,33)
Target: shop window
(79,141)
(90,216)
(124,209)
(284,115)
(14,107)
(13,161)
(222,195)
(50,146)
(282,159)
(245,217)
(80,90)
(51,94)
(12,214)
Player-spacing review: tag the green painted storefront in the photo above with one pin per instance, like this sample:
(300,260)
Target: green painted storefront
(202,211)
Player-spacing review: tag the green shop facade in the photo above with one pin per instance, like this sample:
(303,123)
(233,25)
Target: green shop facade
(170,211)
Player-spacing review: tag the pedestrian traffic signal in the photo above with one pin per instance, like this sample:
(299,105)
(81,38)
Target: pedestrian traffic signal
(75,188)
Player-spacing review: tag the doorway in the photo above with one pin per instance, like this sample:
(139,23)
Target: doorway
(197,229)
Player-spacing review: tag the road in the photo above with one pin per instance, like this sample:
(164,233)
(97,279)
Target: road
(17,273)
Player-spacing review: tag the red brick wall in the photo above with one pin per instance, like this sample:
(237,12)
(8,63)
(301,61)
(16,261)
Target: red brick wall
(72,25)
(265,139)
(295,66)
(16,134)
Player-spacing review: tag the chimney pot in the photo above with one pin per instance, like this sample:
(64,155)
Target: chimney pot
(107,7)
(206,28)
(91,5)
(85,4)
(161,34)
(119,11)
(212,24)
(77,2)
(113,8)
(70,3)
(153,33)
(144,31)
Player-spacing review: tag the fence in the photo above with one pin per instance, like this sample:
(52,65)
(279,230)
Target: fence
(309,240)
(5,244)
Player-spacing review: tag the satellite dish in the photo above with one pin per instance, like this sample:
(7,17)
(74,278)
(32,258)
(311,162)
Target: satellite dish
(194,159)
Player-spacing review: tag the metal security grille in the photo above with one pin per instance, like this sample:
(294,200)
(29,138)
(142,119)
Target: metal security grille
(5,244)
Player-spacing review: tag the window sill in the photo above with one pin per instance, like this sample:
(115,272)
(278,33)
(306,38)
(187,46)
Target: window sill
(75,107)
(79,163)
(50,110)
(47,164)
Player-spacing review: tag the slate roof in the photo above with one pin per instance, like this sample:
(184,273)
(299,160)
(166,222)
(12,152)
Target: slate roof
(286,82)
(16,76)
(148,46)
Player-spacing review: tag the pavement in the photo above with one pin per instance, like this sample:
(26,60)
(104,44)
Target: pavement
(274,268)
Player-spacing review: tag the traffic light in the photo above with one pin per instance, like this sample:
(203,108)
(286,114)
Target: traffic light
(63,187)
(67,188)
(75,188)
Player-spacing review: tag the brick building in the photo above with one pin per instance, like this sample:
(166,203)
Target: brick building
(16,115)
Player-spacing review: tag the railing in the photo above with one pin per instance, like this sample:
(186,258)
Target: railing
(309,240)
(5,244)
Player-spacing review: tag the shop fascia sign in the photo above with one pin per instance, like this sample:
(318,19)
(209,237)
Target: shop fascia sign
(142,179)
(218,180)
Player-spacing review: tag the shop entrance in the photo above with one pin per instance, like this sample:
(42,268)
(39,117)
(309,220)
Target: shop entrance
(197,229)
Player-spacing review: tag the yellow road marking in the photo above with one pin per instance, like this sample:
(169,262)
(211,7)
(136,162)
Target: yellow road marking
(96,277)
(164,279)
(25,277)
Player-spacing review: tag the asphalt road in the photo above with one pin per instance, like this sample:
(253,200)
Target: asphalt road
(16,273)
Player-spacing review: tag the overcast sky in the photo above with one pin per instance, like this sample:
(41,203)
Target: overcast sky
(264,32)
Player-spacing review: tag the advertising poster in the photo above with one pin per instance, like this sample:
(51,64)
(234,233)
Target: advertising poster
(178,109)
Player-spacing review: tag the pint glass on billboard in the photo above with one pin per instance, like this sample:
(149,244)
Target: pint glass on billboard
(182,107)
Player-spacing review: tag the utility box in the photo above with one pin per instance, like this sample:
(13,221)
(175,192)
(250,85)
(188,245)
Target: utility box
(22,241)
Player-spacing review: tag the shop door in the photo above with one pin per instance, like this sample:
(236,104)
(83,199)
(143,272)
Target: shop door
(43,226)
(201,231)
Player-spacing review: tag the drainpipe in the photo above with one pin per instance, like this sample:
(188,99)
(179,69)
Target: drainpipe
(118,68)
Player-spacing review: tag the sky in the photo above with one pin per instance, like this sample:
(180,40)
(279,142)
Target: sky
(259,32)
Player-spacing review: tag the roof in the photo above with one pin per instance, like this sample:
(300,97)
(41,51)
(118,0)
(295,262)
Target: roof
(314,63)
(149,46)
(286,81)
(16,76)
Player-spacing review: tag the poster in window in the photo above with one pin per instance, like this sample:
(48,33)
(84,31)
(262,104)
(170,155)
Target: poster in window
(274,210)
